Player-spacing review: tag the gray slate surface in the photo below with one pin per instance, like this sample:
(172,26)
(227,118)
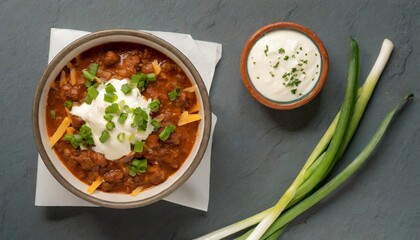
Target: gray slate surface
(257,151)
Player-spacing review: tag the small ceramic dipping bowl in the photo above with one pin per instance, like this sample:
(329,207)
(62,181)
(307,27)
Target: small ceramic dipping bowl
(284,65)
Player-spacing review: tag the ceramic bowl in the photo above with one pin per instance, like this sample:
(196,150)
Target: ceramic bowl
(302,100)
(59,170)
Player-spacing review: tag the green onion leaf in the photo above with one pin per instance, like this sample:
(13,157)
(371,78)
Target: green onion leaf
(127,109)
(104,136)
(166,133)
(138,79)
(92,93)
(131,138)
(110,97)
(88,76)
(113,108)
(174,94)
(85,131)
(108,117)
(110,88)
(52,114)
(93,68)
(156,124)
(110,125)
(68,104)
(151,77)
(126,89)
(68,137)
(138,146)
(154,105)
(138,166)
(122,118)
(121,137)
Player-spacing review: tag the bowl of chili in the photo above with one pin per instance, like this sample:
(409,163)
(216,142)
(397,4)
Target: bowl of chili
(121,118)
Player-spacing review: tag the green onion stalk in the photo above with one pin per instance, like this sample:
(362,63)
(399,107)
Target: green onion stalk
(326,153)
(278,225)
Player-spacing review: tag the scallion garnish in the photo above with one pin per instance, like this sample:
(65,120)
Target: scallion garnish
(68,104)
(92,93)
(121,137)
(110,125)
(108,117)
(93,68)
(174,94)
(126,89)
(151,77)
(52,114)
(88,76)
(166,133)
(138,146)
(110,88)
(104,136)
(110,97)
(113,108)
(154,105)
(137,166)
(156,124)
(122,118)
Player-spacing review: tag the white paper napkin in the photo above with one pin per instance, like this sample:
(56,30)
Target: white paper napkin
(194,192)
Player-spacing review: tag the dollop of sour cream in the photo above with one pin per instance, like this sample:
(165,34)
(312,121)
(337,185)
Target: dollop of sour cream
(93,115)
(284,65)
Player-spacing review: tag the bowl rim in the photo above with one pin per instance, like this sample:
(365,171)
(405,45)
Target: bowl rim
(196,79)
(257,95)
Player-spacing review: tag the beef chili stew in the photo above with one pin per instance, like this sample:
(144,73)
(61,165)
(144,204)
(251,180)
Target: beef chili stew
(153,139)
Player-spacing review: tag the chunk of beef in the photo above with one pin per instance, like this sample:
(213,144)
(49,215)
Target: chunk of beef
(114,176)
(156,175)
(111,58)
(76,121)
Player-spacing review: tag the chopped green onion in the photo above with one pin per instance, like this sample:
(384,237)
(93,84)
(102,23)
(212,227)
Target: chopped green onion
(104,136)
(166,133)
(110,88)
(138,166)
(138,146)
(127,109)
(156,124)
(138,79)
(126,89)
(88,76)
(68,104)
(93,68)
(121,137)
(110,126)
(92,93)
(108,117)
(113,108)
(110,97)
(132,137)
(52,114)
(151,77)
(85,131)
(174,94)
(68,137)
(154,105)
(122,118)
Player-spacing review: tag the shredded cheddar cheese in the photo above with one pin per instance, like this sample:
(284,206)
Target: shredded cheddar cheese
(156,67)
(73,76)
(190,89)
(68,115)
(186,118)
(70,130)
(63,78)
(60,131)
(195,108)
(95,185)
(136,191)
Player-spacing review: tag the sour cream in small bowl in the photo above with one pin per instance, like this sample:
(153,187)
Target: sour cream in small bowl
(284,65)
